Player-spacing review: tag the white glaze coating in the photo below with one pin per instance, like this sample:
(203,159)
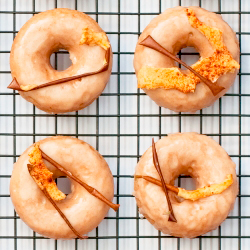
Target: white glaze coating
(173,31)
(83,210)
(30,60)
(207,163)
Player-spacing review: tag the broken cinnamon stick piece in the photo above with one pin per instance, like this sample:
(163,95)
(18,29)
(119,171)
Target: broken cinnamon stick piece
(151,43)
(90,189)
(30,167)
(158,168)
(16,86)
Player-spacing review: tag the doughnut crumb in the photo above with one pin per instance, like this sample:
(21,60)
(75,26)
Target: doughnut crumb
(219,63)
(206,191)
(92,38)
(42,176)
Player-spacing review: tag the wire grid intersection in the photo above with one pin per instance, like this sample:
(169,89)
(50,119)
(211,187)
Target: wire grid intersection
(120,125)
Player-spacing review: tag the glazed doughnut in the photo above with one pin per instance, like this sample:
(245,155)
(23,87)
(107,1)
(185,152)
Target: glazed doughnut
(208,164)
(46,33)
(177,28)
(82,209)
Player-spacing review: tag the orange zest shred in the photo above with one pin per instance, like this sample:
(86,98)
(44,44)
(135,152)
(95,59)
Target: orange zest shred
(221,62)
(42,176)
(93,38)
(206,191)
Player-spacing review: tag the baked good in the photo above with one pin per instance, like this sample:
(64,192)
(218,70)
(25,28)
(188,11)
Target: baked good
(182,90)
(60,91)
(37,199)
(201,210)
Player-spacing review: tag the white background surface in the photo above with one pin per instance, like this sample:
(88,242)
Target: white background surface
(125,122)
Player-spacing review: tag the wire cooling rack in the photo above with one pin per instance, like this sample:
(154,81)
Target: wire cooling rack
(121,123)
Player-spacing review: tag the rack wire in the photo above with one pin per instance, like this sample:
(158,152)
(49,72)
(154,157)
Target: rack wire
(120,125)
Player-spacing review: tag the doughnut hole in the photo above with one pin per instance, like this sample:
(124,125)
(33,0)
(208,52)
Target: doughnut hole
(189,55)
(186,182)
(64,184)
(62,181)
(60,60)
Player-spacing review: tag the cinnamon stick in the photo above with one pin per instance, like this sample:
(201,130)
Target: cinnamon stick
(158,168)
(151,43)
